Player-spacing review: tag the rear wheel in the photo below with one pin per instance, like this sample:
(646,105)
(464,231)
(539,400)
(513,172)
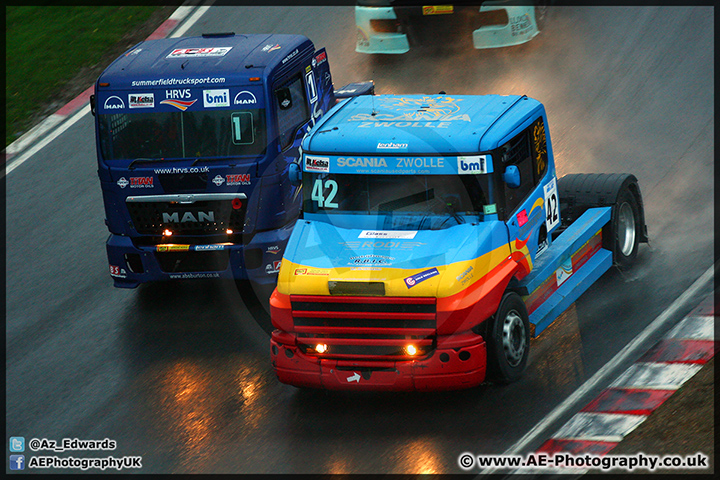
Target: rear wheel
(623,239)
(508,340)
(626,228)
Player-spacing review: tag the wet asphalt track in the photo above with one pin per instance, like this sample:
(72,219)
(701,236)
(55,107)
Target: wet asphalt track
(180,373)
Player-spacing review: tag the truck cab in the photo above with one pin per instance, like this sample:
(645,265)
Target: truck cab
(194,138)
(423,220)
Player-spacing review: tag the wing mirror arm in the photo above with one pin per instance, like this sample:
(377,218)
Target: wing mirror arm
(295,174)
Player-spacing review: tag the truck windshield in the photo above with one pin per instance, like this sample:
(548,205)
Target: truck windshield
(434,201)
(173,135)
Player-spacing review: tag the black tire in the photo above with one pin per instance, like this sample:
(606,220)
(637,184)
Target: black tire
(624,232)
(508,340)
(626,228)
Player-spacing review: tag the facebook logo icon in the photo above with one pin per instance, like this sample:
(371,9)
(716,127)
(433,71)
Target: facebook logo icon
(17,444)
(17,462)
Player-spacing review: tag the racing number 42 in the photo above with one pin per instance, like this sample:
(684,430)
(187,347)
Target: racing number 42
(551,205)
(318,193)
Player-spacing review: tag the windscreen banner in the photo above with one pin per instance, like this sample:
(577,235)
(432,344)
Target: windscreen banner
(180,99)
(398,165)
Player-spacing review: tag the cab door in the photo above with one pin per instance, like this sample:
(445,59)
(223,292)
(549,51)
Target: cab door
(531,207)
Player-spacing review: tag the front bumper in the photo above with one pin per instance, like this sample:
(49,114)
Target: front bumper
(370,41)
(132,265)
(458,362)
(521,27)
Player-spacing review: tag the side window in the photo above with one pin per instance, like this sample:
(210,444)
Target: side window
(518,152)
(292,109)
(539,148)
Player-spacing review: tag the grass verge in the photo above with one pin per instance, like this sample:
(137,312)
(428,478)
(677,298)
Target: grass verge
(47,45)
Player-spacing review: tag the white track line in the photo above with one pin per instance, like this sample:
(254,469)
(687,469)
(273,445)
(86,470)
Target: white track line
(599,378)
(190,22)
(49,138)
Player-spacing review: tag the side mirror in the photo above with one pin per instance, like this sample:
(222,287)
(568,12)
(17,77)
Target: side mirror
(92,104)
(294,174)
(512,176)
(355,89)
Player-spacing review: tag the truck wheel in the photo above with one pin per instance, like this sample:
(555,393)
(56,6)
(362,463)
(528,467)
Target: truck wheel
(626,229)
(623,230)
(508,342)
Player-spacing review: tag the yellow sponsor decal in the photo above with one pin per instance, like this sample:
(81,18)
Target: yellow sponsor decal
(437,9)
(173,248)
(312,271)
(298,279)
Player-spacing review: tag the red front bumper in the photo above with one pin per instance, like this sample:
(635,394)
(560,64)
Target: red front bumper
(457,362)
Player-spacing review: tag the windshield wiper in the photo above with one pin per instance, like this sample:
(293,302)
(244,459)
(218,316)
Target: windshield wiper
(450,208)
(211,159)
(144,160)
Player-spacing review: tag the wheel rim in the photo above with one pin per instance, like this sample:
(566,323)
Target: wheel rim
(626,229)
(514,342)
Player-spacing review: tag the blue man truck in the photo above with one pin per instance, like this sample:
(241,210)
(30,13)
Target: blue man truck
(435,241)
(194,138)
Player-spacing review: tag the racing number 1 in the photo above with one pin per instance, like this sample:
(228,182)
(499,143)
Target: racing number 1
(318,196)
(310,80)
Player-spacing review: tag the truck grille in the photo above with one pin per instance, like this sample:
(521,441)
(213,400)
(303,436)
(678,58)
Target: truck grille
(371,328)
(183,182)
(199,218)
(182,262)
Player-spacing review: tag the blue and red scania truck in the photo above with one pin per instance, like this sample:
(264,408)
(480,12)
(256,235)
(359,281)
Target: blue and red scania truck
(435,241)
(194,138)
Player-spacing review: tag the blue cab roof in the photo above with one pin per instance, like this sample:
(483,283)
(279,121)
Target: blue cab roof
(420,124)
(233,56)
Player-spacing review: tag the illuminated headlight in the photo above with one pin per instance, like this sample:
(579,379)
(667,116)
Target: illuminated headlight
(167,232)
(229,231)
(321,348)
(411,350)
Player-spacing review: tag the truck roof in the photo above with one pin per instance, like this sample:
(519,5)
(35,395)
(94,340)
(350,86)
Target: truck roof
(422,124)
(235,57)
